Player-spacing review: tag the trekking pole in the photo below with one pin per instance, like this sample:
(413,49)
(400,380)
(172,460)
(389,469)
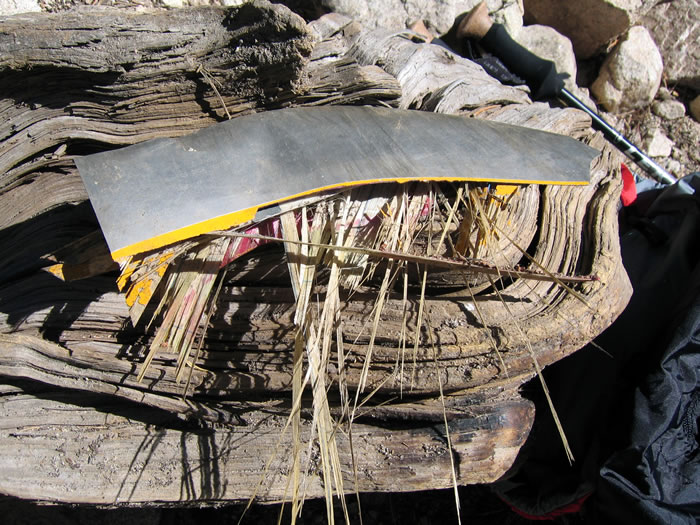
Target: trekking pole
(542,78)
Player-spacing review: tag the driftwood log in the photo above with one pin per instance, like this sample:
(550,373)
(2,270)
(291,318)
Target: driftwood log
(75,424)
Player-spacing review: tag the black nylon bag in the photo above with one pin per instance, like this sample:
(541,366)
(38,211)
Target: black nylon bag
(630,413)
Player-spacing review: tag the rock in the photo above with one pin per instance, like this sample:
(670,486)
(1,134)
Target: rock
(668,109)
(674,167)
(547,43)
(675,27)
(657,144)
(396,14)
(508,14)
(630,76)
(438,15)
(590,24)
(14,7)
(695,108)
(584,96)
(685,133)
(173,3)
(664,94)
(355,9)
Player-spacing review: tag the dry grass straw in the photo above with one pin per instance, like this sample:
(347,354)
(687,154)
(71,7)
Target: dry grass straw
(303,260)
(348,237)
(443,235)
(491,230)
(185,299)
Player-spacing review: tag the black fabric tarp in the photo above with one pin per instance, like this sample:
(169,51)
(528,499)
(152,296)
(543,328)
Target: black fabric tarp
(629,402)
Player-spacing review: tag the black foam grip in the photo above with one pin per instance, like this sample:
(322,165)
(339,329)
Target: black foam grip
(540,74)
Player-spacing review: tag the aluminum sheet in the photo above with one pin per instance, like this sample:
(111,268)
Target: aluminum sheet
(163,190)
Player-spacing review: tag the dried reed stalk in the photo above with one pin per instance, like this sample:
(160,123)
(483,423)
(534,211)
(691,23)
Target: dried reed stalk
(347,237)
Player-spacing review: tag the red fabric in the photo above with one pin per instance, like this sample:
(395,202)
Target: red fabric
(571,508)
(629,189)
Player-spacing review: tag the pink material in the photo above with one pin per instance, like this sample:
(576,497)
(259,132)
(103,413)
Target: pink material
(571,508)
(629,188)
(273,228)
(242,245)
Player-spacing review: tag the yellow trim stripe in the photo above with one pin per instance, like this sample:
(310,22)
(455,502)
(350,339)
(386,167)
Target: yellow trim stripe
(230,220)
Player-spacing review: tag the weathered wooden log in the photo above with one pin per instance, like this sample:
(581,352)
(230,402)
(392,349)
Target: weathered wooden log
(69,354)
(432,78)
(119,77)
(95,449)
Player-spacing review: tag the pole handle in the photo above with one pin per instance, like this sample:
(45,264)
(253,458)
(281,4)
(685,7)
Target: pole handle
(544,81)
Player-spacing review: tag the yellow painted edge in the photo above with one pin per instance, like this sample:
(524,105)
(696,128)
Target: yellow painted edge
(230,220)
(142,291)
(218,223)
(128,270)
(56,270)
(505,189)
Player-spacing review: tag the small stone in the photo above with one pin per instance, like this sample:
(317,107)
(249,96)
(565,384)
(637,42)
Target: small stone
(584,95)
(547,43)
(14,7)
(695,108)
(657,144)
(438,15)
(590,24)
(664,94)
(173,3)
(675,26)
(674,167)
(668,109)
(511,16)
(357,10)
(630,76)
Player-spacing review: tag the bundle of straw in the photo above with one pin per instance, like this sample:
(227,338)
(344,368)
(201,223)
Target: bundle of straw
(365,238)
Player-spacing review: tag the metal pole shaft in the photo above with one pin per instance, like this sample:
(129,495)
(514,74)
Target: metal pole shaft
(541,76)
(631,151)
